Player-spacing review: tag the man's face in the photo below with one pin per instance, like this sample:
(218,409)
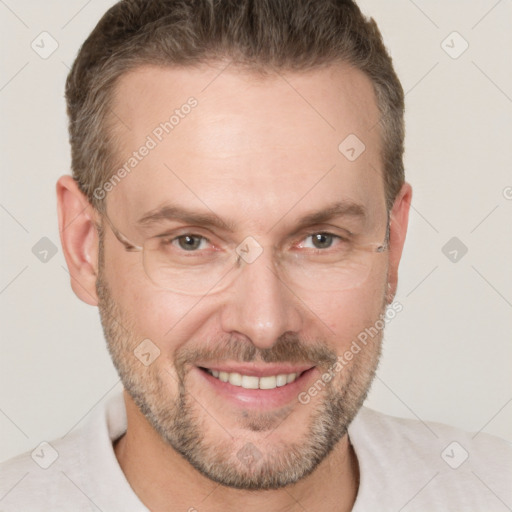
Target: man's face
(260,155)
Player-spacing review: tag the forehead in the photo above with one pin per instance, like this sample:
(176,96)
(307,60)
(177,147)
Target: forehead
(242,144)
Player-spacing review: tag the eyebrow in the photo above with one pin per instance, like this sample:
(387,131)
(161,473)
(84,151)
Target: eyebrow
(172,212)
(343,208)
(339,209)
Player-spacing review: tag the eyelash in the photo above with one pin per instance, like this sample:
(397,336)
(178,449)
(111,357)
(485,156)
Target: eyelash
(343,239)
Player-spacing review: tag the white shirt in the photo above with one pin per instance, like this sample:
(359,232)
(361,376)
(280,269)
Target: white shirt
(405,465)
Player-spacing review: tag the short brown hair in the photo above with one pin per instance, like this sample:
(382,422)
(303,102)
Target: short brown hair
(261,34)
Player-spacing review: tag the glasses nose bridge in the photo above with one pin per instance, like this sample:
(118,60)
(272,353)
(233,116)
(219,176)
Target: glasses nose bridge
(250,252)
(259,273)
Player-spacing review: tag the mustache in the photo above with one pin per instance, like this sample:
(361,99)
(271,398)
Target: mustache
(288,348)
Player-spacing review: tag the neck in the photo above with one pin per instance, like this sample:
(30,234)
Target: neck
(164,481)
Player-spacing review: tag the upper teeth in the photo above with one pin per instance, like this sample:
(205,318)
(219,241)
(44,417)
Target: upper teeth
(253,382)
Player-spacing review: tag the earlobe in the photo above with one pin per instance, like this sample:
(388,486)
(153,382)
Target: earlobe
(399,220)
(79,238)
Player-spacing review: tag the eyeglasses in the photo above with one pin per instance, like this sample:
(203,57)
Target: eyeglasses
(189,263)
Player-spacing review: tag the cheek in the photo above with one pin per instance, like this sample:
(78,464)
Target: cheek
(351,311)
(148,311)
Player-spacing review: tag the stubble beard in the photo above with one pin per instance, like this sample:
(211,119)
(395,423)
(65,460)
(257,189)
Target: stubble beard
(183,424)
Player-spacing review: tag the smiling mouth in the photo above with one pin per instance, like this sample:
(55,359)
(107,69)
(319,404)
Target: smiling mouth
(254,382)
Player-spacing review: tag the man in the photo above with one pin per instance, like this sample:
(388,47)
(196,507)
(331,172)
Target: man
(237,212)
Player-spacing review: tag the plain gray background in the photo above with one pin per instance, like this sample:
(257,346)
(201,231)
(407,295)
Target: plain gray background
(447,355)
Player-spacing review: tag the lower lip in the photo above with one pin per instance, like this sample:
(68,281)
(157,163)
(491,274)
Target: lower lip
(260,398)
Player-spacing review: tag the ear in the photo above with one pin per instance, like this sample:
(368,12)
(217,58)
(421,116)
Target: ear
(79,238)
(399,220)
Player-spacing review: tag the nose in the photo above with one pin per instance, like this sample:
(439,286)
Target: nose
(260,306)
